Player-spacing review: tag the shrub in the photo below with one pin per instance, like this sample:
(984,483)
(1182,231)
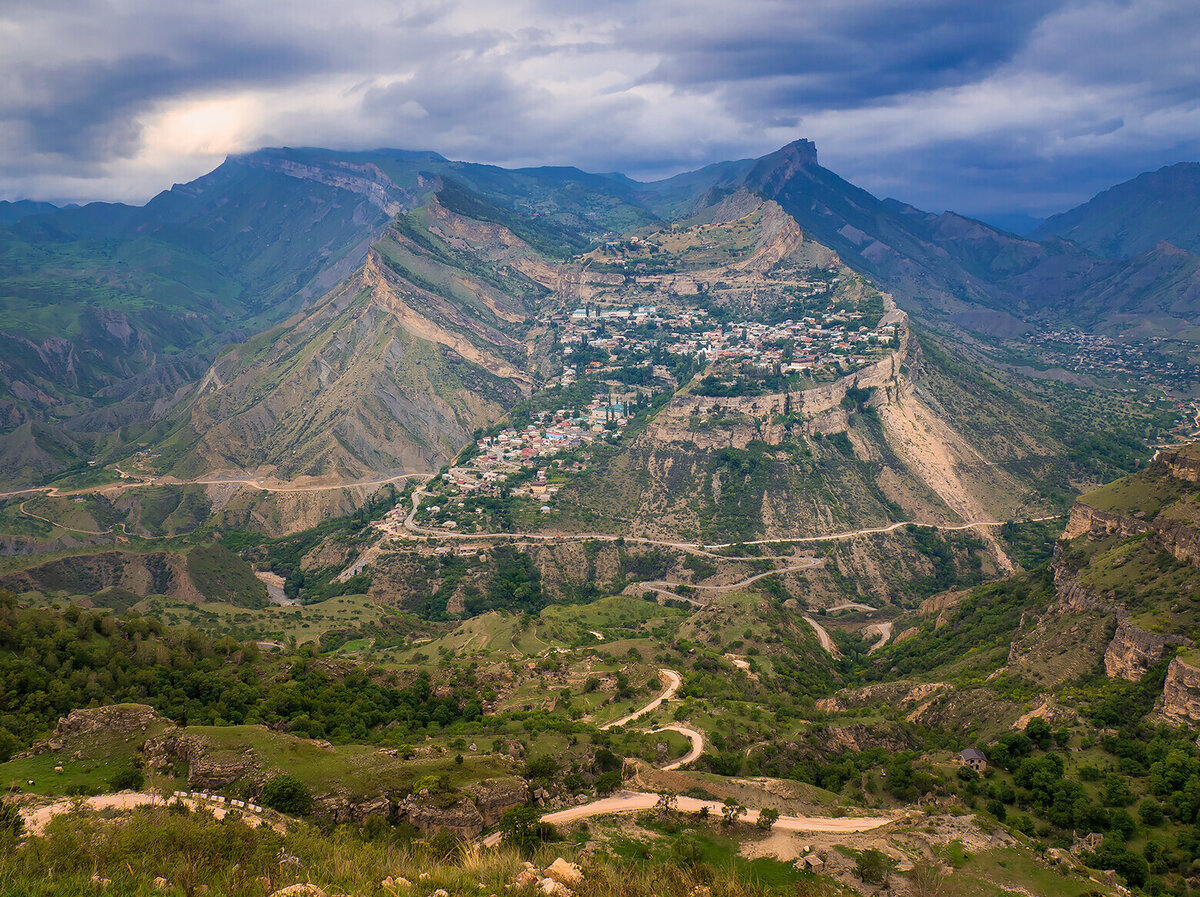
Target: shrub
(287,794)
(128,778)
(543,767)
(608,782)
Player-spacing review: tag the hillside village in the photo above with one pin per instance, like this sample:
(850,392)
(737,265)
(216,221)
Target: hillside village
(627,356)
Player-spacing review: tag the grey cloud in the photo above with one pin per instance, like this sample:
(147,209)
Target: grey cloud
(645,87)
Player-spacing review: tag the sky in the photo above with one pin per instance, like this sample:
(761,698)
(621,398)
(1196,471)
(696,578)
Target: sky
(995,109)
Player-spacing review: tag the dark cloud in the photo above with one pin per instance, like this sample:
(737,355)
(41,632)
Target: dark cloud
(846,54)
(1023,106)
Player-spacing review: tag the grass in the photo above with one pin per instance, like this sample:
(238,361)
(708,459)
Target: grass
(303,623)
(1020,871)
(101,755)
(191,850)
(354,769)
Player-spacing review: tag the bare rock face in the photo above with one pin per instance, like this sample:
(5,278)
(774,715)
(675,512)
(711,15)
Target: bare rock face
(1133,651)
(1093,521)
(1181,465)
(208,770)
(116,718)
(337,807)
(427,813)
(1181,692)
(495,797)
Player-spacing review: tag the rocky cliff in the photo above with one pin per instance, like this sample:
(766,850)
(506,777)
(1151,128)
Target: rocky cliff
(1170,534)
(1181,692)
(1182,464)
(1133,651)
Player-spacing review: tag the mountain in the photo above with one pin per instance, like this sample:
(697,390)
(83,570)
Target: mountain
(12,212)
(389,372)
(356,316)
(1134,217)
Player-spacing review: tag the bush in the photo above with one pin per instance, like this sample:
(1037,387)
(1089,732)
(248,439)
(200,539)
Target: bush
(287,794)
(543,767)
(128,778)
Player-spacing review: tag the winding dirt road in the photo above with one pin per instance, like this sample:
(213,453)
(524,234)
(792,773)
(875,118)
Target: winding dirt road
(693,736)
(38,818)
(823,637)
(666,588)
(634,801)
(673,681)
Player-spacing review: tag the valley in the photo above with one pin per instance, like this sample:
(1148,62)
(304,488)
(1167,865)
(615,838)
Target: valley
(739,525)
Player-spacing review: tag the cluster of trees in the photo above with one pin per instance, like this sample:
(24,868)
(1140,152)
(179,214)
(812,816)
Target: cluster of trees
(54,661)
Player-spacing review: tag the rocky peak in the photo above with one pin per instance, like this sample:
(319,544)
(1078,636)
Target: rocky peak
(772,172)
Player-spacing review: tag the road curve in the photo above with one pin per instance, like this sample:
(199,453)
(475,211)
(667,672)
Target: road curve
(823,637)
(666,588)
(693,736)
(673,681)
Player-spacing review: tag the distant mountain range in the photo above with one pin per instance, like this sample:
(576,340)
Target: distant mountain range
(267,274)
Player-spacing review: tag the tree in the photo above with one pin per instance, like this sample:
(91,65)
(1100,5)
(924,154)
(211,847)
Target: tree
(287,794)
(1038,731)
(128,778)
(731,811)
(767,817)
(872,866)
(519,829)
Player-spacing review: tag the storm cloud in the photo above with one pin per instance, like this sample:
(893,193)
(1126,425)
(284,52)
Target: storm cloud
(1025,107)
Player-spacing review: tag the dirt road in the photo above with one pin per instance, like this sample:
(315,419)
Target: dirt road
(696,739)
(673,681)
(823,637)
(632,801)
(883,630)
(37,819)
(667,588)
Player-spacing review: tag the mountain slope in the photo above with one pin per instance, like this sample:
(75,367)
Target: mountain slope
(1134,217)
(388,373)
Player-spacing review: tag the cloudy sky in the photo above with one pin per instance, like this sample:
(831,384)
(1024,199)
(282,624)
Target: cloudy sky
(1011,107)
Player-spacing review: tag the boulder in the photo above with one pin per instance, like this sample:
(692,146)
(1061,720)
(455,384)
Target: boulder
(554,888)
(567,873)
(300,890)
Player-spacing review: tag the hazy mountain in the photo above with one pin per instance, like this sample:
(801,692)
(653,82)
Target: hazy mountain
(11,212)
(1134,217)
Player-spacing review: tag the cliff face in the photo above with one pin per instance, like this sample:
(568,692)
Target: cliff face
(1182,465)
(1181,692)
(1086,520)
(1174,536)
(1133,651)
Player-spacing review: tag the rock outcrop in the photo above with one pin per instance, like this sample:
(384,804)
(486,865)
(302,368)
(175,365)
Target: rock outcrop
(430,815)
(1086,520)
(1181,692)
(495,797)
(1133,651)
(80,724)
(1181,464)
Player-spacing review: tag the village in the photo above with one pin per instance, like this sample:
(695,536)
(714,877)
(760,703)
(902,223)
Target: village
(617,359)
(839,339)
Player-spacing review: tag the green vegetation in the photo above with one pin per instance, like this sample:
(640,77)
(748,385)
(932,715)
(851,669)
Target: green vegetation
(221,575)
(52,662)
